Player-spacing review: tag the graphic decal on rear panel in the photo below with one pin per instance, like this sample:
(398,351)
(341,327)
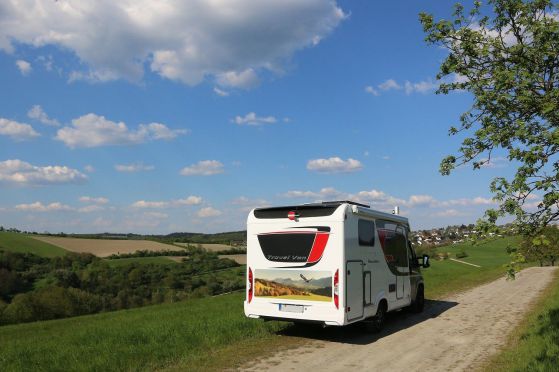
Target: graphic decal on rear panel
(293,284)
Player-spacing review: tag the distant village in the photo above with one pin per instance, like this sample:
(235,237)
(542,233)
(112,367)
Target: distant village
(452,235)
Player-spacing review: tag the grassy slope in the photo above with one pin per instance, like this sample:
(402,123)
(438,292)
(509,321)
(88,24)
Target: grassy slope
(25,244)
(534,344)
(210,333)
(448,276)
(186,334)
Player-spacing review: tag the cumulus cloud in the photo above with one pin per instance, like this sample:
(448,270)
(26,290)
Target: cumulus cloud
(186,41)
(369,89)
(334,165)
(92,130)
(208,212)
(245,79)
(252,119)
(18,172)
(220,92)
(98,200)
(382,201)
(91,208)
(203,168)
(133,168)
(150,204)
(423,87)
(17,131)
(389,84)
(23,66)
(40,207)
(189,200)
(36,112)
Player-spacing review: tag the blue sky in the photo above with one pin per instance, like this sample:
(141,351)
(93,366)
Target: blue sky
(141,117)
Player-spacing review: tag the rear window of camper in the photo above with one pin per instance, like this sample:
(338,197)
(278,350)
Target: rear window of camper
(366,232)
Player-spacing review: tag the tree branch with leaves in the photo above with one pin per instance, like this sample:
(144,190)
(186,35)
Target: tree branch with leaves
(507,57)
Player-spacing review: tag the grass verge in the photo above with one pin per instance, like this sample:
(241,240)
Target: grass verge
(534,343)
(22,243)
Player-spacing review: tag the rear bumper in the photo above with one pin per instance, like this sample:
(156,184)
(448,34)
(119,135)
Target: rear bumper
(313,313)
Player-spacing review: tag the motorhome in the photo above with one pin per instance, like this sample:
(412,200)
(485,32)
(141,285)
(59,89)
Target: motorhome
(333,263)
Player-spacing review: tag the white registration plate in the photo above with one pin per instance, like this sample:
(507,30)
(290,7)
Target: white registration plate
(291,308)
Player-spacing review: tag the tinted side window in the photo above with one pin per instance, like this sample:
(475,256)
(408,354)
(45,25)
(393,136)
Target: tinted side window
(366,232)
(393,242)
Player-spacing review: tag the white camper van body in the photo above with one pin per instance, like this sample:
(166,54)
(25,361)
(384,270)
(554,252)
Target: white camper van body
(334,263)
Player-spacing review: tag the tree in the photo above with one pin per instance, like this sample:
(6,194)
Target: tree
(542,247)
(509,62)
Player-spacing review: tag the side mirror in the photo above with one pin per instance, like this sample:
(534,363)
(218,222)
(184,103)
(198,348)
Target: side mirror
(425,261)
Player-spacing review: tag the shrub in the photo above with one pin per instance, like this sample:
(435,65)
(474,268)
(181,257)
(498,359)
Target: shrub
(461,254)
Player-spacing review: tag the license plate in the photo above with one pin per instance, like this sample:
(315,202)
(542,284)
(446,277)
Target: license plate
(291,308)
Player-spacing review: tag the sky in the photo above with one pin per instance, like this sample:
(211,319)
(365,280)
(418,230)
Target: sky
(155,117)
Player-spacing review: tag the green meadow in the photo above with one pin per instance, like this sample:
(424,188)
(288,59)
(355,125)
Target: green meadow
(22,243)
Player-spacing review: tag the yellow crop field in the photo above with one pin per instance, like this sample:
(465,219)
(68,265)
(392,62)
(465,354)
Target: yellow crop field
(238,258)
(104,247)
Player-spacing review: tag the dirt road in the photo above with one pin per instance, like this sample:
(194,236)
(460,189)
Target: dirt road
(455,334)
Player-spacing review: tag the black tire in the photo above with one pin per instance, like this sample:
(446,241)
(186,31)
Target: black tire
(376,323)
(418,304)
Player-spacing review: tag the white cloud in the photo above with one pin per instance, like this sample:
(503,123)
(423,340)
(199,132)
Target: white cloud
(150,204)
(385,157)
(203,168)
(208,212)
(189,200)
(17,131)
(494,162)
(245,79)
(21,173)
(389,84)
(420,87)
(450,213)
(334,165)
(89,169)
(40,207)
(92,130)
(186,41)
(220,92)
(89,199)
(36,112)
(420,200)
(369,89)
(90,208)
(252,119)
(23,66)
(132,168)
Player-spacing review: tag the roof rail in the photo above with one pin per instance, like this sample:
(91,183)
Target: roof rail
(339,202)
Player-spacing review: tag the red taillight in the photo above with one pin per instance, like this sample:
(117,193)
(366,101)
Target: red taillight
(249,285)
(336,290)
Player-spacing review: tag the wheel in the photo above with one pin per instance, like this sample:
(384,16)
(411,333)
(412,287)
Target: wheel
(376,323)
(419,303)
